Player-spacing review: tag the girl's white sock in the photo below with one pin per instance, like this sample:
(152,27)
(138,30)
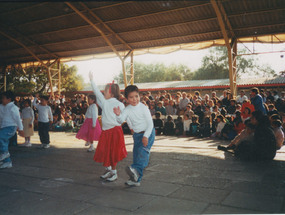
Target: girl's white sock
(114,171)
(109,168)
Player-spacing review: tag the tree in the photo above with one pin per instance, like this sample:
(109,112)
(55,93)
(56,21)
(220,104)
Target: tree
(158,72)
(35,80)
(215,66)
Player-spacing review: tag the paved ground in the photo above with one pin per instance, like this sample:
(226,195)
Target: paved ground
(185,176)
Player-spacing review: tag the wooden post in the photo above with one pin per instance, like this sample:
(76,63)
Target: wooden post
(59,77)
(5,79)
(132,69)
(234,56)
(50,82)
(124,72)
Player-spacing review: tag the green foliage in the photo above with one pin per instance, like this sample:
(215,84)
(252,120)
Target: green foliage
(35,80)
(158,72)
(215,66)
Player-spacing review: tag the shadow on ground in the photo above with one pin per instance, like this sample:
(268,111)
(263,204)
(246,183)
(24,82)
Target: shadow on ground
(185,176)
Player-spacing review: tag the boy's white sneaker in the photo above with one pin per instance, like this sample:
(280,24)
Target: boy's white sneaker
(87,143)
(132,173)
(6,165)
(132,183)
(113,177)
(91,148)
(46,146)
(107,174)
(4,155)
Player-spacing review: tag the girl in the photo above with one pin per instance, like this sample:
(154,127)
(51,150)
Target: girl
(90,130)
(28,122)
(111,146)
(220,125)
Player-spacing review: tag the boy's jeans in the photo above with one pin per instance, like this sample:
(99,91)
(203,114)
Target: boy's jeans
(141,153)
(5,134)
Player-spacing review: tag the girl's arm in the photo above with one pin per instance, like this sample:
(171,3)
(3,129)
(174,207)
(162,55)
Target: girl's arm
(94,112)
(99,96)
(32,116)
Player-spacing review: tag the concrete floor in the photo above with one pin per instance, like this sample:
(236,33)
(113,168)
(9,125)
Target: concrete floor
(185,176)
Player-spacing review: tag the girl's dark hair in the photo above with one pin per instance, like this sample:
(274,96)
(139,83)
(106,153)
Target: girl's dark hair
(115,90)
(129,89)
(93,97)
(221,117)
(9,95)
(28,101)
(275,117)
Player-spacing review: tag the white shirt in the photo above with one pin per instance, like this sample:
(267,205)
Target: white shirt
(28,113)
(220,126)
(107,105)
(240,99)
(92,113)
(139,117)
(186,124)
(10,116)
(45,114)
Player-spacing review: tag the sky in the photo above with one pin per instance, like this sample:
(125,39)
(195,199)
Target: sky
(106,69)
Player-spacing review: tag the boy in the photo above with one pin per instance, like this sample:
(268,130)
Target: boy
(158,123)
(45,118)
(9,122)
(144,133)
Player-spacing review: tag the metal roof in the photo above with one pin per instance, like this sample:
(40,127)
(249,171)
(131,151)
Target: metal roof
(53,30)
(202,84)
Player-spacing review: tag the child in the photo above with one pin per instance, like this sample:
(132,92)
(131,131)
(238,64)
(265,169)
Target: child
(179,128)
(158,123)
(28,122)
(194,126)
(44,119)
(144,133)
(90,130)
(279,134)
(169,126)
(69,124)
(205,127)
(220,125)
(111,146)
(9,122)
(186,124)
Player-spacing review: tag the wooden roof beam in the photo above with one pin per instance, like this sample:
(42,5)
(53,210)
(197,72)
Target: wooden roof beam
(24,46)
(96,28)
(106,26)
(34,43)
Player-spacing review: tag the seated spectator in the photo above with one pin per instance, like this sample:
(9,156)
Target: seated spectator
(189,111)
(169,126)
(238,123)
(272,110)
(205,127)
(80,120)
(220,125)
(241,98)
(160,108)
(214,122)
(263,146)
(158,123)
(198,111)
(152,110)
(186,124)
(179,128)
(207,112)
(194,126)
(279,134)
(183,102)
(228,131)
(170,108)
(69,125)
(232,108)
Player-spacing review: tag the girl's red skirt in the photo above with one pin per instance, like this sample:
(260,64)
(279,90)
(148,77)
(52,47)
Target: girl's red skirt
(111,147)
